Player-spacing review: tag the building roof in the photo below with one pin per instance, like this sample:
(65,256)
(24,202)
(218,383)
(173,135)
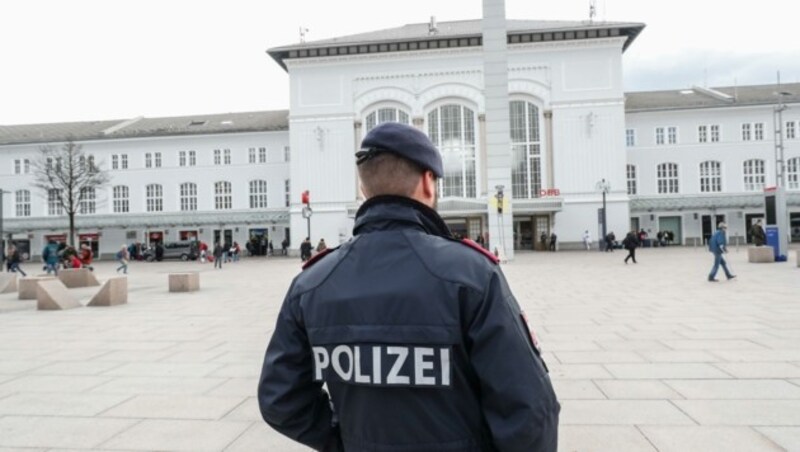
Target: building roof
(257,121)
(466,33)
(698,97)
(704,202)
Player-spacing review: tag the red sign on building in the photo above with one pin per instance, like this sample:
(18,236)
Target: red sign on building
(545,192)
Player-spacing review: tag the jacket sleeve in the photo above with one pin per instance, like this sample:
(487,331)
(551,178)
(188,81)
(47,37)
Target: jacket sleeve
(517,398)
(289,400)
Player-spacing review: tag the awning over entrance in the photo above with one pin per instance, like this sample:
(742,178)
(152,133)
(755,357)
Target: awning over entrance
(131,221)
(708,202)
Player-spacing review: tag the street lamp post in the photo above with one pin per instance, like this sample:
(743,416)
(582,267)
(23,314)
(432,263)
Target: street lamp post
(604,187)
(2,238)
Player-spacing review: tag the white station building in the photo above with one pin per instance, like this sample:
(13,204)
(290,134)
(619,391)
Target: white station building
(677,160)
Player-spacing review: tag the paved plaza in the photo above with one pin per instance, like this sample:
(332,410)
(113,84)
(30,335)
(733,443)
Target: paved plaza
(645,357)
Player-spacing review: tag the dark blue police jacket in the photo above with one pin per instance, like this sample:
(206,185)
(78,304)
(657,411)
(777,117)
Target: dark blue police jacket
(419,341)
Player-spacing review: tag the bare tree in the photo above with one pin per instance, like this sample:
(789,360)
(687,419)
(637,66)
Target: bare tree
(69,179)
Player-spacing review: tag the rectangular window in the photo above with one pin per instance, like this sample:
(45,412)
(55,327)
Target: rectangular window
(287,188)
(217,157)
(182,158)
(790,130)
(227,156)
(154,200)
(252,155)
(23,203)
(659,135)
(746,132)
(192,158)
(262,155)
(287,153)
(715,133)
(157,159)
(672,135)
(121,203)
(702,134)
(630,137)
(148,160)
(631,170)
(114,162)
(17,166)
(758,129)
(124,161)
(54,202)
(188,196)
(87,201)
(27,166)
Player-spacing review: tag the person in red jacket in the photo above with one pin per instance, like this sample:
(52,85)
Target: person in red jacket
(75,262)
(86,256)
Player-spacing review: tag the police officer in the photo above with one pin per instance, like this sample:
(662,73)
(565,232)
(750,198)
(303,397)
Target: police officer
(417,337)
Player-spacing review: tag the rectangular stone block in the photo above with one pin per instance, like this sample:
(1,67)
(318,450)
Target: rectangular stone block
(52,295)
(114,292)
(27,286)
(8,282)
(760,254)
(77,277)
(184,282)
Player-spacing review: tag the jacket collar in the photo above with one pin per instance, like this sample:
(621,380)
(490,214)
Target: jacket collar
(390,212)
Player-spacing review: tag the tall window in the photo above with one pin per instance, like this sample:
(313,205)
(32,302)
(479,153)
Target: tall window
(526,170)
(452,130)
(715,133)
(758,131)
(711,177)
(754,176)
(791,133)
(114,161)
(23,198)
(288,189)
(258,194)
(192,158)
(672,135)
(382,115)
(630,137)
(746,132)
(667,177)
(793,173)
(287,153)
(157,159)
(148,160)
(120,199)
(217,156)
(54,202)
(182,158)
(87,202)
(702,134)
(17,166)
(154,198)
(252,155)
(262,155)
(123,161)
(659,135)
(188,196)
(223,199)
(227,156)
(631,173)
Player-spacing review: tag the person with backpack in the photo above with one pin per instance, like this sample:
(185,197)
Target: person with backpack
(50,257)
(630,243)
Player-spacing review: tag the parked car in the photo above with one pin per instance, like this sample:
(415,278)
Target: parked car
(174,250)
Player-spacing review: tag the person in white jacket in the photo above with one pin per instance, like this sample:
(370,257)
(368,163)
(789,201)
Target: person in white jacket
(587,239)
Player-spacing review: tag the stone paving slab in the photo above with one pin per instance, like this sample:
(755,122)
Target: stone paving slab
(633,364)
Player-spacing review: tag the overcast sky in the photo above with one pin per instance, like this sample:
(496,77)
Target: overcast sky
(76,60)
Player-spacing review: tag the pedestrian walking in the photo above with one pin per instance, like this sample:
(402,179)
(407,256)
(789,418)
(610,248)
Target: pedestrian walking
(14,260)
(553,239)
(86,256)
(610,239)
(630,242)
(321,246)
(403,338)
(587,240)
(51,257)
(218,252)
(305,250)
(718,246)
(122,257)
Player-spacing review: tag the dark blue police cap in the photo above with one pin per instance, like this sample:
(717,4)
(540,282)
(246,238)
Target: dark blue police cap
(402,140)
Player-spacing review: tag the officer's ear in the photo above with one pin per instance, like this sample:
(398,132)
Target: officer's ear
(429,186)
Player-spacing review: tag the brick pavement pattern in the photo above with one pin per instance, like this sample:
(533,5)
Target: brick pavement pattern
(644,357)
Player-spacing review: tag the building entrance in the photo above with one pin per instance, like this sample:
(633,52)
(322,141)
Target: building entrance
(224,237)
(528,231)
(709,227)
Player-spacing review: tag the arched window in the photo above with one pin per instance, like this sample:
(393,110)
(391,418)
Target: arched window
(793,173)
(188,196)
(452,130)
(387,114)
(87,200)
(223,199)
(711,177)
(154,197)
(526,150)
(120,198)
(667,177)
(630,171)
(754,176)
(23,198)
(258,194)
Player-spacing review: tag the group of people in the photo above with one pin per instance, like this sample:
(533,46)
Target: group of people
(307,249)
(60,255)
(553,239)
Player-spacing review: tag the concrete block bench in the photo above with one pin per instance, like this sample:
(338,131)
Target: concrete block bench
(27,286)
(77,277)
(114,292)
(184,282)
(8,282)
(760,254)
(52,295)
